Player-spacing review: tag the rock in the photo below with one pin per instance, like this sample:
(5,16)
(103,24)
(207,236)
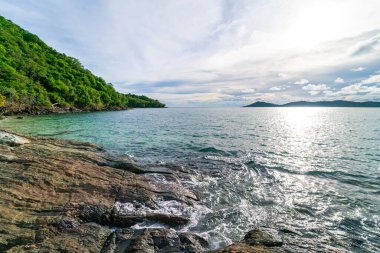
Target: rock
(154,240)
(128,166)
(8,158)
(263,236)
(6,154)
(12,139)
(132,219)
(261,239)
(60,196)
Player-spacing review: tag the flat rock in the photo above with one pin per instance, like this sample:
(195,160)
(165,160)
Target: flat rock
(12,139)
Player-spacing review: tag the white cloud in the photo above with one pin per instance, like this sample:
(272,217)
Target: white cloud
(278,88)
(372,79)
(315,89)
(302,82)
(359,88)
(355,92)
(358,69)
(367,46)
(339,80)
(283,75)
(248,91)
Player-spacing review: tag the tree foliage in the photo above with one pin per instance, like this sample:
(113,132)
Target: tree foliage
(2,100)
(32,72)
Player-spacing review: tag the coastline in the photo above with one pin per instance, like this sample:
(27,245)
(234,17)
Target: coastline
(45,110)
(60,195)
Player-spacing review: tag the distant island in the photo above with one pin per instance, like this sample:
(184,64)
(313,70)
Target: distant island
(335,103)
(36,79)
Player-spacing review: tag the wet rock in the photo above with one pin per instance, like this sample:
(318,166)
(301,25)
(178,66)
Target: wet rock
(155,240)
(6,154)
(93,213)
(166,219)
(128,165)
(263,236)
(60,196)
(262,239)
(12,139)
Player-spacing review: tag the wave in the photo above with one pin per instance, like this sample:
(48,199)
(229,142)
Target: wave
(347,178)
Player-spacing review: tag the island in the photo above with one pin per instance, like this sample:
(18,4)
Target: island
(334,103)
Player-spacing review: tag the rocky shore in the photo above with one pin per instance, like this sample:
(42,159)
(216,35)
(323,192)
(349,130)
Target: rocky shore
(22,109)
(67,196)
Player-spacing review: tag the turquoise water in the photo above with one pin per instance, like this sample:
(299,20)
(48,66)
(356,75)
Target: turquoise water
(312,170)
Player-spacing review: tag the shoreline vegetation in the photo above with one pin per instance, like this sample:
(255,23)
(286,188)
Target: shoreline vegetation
(36,79)
(68,196)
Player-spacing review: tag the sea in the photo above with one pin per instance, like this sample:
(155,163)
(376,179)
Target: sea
(312,171)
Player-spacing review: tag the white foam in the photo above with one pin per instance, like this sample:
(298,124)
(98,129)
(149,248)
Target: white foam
(171,207)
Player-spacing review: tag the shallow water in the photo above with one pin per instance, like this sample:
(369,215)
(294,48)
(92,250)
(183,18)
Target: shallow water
(315,171)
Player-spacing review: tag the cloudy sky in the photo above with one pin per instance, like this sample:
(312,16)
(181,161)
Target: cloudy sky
(217,53)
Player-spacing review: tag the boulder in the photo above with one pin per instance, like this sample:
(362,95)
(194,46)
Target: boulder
(260,239)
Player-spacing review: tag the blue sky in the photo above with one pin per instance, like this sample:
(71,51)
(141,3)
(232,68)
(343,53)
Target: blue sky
(217,53)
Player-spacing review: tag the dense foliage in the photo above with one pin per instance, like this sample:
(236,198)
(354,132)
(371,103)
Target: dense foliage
(33,73)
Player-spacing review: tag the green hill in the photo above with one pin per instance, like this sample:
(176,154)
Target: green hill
(35,77)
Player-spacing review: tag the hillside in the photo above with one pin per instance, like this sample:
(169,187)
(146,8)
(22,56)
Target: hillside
(335,103)
(35,77)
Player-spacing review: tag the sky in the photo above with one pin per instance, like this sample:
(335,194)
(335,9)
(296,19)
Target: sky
(217,52)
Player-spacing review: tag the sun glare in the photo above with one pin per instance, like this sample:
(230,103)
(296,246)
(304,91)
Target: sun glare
(301,120)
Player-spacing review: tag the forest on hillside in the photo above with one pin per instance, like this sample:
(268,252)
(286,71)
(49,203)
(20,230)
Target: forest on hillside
(34,74)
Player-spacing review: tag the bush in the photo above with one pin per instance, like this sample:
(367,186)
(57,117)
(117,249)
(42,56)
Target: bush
(3,100)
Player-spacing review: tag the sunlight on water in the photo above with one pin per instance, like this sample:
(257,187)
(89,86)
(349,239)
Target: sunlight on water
(299,121)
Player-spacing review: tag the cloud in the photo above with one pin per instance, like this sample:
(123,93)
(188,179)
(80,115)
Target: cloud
(355,89)
(358,69)
(372,79)
(248,91)
(278,88)
(302,81)
(339,80)
(368,88)
(367,46)
(283,75)
(315,89)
